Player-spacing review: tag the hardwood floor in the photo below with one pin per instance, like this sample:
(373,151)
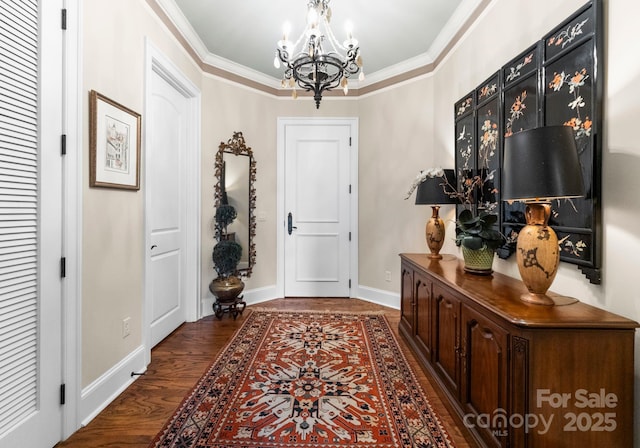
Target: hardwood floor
(138,414)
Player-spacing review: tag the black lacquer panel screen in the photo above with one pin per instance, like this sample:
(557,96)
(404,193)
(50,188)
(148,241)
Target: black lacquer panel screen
(558,80)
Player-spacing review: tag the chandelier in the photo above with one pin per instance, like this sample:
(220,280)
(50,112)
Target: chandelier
(317,65)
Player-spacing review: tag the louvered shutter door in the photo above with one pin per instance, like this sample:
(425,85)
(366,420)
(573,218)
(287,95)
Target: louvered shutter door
(18,209)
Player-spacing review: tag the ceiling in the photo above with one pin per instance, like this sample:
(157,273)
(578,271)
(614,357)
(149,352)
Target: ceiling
(396,36)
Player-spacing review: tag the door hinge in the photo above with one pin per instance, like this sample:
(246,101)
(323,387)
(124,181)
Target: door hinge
(63,394)
(349,283)
(349,188)
(349,141)
(64,18)
(349,236)
(63,267)
(63,144)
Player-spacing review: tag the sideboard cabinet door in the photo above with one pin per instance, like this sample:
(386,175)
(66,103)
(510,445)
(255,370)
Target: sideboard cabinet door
(424,313)
(447,342)
(407,307)
(483,378)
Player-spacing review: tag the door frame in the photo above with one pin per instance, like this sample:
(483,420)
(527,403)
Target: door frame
(74,98)
(281,221)
(157,62)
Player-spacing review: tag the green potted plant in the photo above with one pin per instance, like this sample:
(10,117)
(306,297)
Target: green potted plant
(478,238)
(476,231)
(226,255)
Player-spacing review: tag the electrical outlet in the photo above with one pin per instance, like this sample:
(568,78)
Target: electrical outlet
(387,276)
(126,327)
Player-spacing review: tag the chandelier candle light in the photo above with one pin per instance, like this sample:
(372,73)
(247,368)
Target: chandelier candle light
(317,65)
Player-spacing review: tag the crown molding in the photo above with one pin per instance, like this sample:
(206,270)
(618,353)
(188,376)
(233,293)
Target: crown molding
(464,15)
(182,25)
(425,63)
(240,70)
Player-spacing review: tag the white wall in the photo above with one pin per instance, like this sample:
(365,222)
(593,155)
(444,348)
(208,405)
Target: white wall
(113,221)
(396,142)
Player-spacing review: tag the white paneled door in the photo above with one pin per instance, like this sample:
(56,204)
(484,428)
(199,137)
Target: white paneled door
(166,147)
(30,224)
(317,208)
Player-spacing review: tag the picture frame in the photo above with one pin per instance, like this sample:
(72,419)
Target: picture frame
(114,144)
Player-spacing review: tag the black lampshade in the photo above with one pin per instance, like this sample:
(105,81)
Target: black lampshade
(541,163)
(431,192)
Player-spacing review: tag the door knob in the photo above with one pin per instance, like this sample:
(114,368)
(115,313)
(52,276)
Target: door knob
(290,225)
(153,247)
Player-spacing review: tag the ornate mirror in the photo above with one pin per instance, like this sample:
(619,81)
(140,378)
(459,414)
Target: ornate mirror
(235,171)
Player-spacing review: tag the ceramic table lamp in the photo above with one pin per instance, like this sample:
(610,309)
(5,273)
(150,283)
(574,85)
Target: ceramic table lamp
(540,165)
(431,191)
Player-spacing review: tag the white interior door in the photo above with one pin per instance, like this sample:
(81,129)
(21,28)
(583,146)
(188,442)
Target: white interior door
(166,148)
(30,224)
(317,207)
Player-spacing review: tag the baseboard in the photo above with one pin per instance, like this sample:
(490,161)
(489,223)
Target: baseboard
(97,395)
(259,295)
(251,297)
(379,296)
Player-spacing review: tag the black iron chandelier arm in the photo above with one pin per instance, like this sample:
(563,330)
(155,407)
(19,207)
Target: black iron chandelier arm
(313,68)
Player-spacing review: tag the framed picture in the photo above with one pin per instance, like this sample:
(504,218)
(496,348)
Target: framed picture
(114,144)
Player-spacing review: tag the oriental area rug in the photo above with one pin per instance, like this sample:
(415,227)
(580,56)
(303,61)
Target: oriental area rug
(307,379)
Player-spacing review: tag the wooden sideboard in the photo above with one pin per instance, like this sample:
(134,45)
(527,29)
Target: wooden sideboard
(516,374)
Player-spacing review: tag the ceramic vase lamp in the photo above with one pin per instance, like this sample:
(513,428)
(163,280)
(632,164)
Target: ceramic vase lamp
(431,191)
(540,165)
